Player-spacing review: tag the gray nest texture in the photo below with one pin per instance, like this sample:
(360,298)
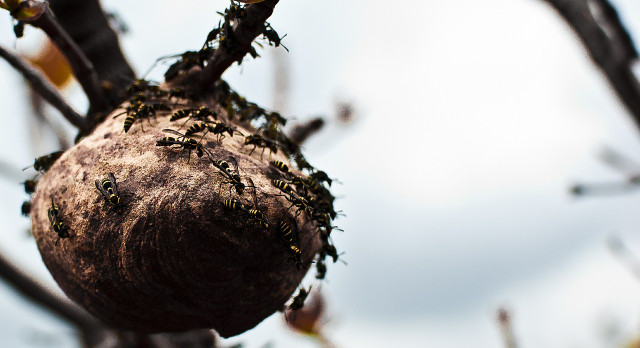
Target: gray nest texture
(175,259)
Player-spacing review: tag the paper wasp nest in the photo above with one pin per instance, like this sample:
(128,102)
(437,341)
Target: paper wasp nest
(169,255)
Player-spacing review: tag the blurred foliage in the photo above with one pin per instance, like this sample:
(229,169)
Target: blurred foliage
(53,64)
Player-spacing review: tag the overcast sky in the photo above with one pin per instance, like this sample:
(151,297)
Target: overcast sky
(473,119)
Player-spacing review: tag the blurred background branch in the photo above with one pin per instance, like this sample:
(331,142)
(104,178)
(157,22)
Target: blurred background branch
(82,67)
(44,88)
(609,45)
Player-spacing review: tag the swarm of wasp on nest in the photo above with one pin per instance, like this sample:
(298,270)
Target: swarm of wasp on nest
(176,214)
(183,211)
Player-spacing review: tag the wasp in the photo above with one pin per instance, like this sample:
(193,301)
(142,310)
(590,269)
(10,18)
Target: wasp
(56,222)
(43,163)
(26,208)
(221,164)
(130,109)
(301,185)
(108,187)
(219,128)
(143,111)
(30,186)
(18,29)
(280,165)
(128,122)
(299,202)
(196,128)
(184,142)
(272,36)
(234,12)
(330,249)
(233,204)
(132,112)
(212,36)
(182,113)
(138,86)
(283,186)
(320,176)
(301,162)
(322,219)
(321,269)
(298,300)
(232,175)
(204,112)
(185,61)
(254,213)
(139,98)
(258,141)
(290,236)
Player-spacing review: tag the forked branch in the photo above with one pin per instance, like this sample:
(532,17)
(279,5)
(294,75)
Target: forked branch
(244,32)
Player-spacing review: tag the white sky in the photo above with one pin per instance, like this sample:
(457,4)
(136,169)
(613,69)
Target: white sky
(473,120)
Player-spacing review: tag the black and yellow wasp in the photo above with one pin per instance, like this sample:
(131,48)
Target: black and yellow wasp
(216,128)
(142,111)
(180,114)
(56,222)
(254,212)
(290,236)
(283,186)
(281,166)
(233,204)
(231,174)
(202,113)
(184,142)
(108,187)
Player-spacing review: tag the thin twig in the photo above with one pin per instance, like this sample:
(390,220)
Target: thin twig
(10,172)
(38,294)
(82,67)
(608,43)
(504,321)
(40,119)
(244,32)
(46,90)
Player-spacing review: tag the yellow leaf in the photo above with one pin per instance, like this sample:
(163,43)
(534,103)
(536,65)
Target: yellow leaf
(30,13)
(53,65)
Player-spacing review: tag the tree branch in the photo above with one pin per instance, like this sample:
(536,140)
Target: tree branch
(88,26)
(44,88)
(82,67)
(244,32)
(608,43)
(38,294)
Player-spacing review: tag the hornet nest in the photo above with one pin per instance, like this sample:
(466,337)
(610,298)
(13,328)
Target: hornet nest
(154,232)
